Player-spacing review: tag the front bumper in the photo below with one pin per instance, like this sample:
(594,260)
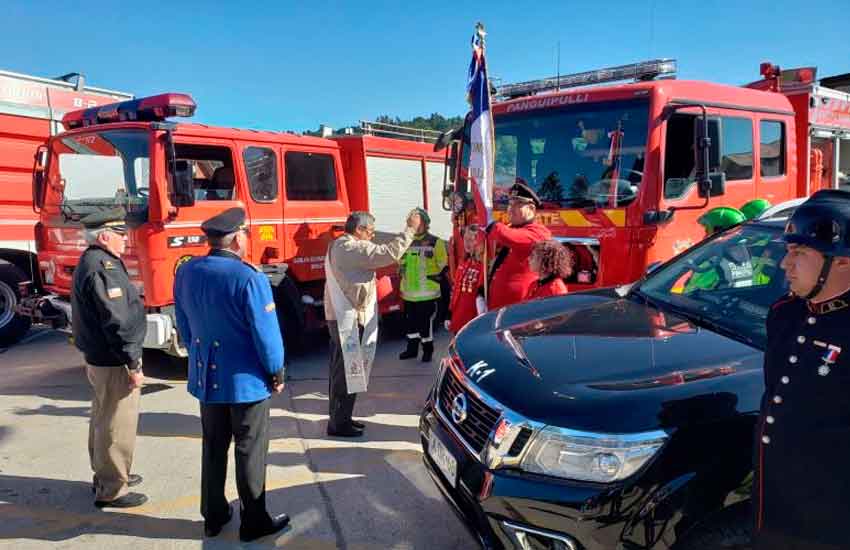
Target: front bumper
(507,508)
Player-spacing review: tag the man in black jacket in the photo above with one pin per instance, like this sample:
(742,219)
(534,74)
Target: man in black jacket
(803,438)
(109,328)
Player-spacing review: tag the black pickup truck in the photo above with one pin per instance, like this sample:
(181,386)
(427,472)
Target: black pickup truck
(613,419)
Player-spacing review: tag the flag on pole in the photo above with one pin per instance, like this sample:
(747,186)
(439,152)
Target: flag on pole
(482,142)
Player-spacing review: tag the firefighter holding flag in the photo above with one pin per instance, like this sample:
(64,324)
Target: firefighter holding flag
(511,276)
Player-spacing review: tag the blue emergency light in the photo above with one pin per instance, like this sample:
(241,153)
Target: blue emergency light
(145,109)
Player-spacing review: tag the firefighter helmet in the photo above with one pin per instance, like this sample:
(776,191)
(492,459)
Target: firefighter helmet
(754,208)
(720,218)
(822,223)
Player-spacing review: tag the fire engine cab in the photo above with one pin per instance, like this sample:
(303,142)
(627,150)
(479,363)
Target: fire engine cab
(172,176)
(625,159)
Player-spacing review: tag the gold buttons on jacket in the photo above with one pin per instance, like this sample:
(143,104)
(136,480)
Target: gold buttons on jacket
(777,399)
(792,359)
(770,420)
(215,386)
(212,366)
(765,439)
(811,320)
(216,344)
(784,379)
(801,339)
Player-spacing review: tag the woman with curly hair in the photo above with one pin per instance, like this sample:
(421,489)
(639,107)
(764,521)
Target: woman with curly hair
(553,263)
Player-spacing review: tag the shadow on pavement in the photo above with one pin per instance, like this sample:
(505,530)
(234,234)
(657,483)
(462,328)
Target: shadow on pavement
(57,510)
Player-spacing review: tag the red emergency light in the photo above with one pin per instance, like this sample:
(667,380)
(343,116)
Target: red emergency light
(145,109)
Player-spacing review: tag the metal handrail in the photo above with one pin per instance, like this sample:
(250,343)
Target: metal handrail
(371,128)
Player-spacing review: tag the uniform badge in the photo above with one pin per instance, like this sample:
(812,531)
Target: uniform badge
(829,358)
(108,264)
(269,307)
(114,292)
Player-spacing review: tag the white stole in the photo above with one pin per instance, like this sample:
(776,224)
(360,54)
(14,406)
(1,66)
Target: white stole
(357,354)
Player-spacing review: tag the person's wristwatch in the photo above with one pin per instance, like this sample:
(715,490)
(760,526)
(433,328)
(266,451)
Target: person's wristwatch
(135,366)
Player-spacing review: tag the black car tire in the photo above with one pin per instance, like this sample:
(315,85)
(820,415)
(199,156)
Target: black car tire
(14,326)
(730,529)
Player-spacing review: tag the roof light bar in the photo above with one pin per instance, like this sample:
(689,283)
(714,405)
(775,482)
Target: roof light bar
(145,109)
(645,70)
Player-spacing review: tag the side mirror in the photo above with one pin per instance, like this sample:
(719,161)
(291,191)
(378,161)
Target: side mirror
(702,150)
(714,186)
(39,175)
(182,184)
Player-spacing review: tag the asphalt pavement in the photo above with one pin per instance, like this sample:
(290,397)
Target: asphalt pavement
(354,494)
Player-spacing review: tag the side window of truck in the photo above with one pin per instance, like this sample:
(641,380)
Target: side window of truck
(261,168)
(731,151)
(772,148)
(736,147)
(310,177)
(212,171)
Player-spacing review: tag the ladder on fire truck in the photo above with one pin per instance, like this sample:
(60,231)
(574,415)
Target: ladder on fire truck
(645,70)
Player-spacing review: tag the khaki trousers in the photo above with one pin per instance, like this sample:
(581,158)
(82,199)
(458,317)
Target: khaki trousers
(112,429)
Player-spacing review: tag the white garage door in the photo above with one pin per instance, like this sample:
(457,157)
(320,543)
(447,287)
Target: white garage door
(441,220)
(395,188)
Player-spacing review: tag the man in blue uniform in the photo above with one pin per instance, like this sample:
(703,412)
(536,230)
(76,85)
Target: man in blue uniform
(801,489)
(226,317)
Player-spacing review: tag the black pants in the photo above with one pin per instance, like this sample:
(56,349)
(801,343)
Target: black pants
(419,319)
(248,425)
(340,402)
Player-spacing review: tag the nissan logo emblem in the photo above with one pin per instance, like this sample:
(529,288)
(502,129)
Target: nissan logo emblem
(459,408)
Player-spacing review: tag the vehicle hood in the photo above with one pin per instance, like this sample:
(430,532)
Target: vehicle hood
(600,362)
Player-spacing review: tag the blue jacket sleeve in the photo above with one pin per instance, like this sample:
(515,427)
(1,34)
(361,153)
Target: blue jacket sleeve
(183,328)
(262,318)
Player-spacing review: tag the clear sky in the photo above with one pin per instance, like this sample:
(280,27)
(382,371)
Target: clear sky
(290,66)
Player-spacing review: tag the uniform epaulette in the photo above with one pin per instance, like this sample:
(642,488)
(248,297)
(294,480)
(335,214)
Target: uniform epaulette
(107,263)
(788,298)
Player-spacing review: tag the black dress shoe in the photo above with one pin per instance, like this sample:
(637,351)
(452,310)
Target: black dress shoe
(358,425)
(278,523)
(132,481)
(345,431)
(213,529)
(130,500)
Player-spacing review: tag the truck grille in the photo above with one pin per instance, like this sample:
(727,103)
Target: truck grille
(480,419)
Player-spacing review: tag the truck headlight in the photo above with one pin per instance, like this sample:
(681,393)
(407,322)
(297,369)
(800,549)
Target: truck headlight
(586,456)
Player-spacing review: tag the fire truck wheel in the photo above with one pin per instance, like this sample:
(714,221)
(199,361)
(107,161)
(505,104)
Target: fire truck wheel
(290,314)
(13,327)
(728,529)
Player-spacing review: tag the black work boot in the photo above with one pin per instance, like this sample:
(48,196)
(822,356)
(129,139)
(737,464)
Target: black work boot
(427,351)
(412,349)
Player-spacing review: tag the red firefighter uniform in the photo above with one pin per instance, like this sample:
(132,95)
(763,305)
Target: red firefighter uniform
(551,285)
(512,276)
(468,287)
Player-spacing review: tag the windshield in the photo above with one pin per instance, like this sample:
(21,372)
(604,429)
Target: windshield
(728,284)
(590,154)
(104,169)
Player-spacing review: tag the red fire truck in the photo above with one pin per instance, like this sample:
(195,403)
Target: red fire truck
(297,191)
(624,170)
(30,111)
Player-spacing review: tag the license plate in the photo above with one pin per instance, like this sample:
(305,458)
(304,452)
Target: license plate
(443,459)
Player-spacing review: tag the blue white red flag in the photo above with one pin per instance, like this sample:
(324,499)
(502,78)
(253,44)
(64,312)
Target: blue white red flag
(482,143)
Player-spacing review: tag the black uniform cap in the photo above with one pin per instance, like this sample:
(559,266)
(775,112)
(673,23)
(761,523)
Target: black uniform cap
(822,223)
(522,191)
(114,219)
(225,223)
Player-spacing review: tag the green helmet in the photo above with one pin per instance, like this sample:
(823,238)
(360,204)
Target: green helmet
(720,218)
(424,214)
(754,208)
